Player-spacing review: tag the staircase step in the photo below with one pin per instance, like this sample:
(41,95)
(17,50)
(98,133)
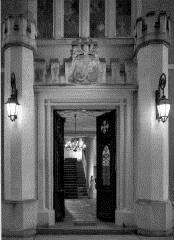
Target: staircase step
(70,178)
(74,179)
(70,175)
(69,166)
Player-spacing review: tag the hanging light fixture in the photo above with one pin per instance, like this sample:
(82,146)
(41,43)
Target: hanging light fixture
(76,144)
(162,103)
(12,103)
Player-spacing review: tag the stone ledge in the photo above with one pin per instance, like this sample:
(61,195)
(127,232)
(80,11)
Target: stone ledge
(149,233)
(22,233)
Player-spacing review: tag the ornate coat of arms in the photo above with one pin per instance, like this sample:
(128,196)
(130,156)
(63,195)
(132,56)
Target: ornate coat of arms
(85,67)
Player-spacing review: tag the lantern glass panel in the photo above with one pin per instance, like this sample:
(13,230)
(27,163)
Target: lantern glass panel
(12,109)
(163,111)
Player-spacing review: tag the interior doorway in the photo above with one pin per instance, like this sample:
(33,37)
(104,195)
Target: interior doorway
(89,174)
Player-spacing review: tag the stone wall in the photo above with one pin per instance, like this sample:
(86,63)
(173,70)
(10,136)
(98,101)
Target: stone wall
(162,5)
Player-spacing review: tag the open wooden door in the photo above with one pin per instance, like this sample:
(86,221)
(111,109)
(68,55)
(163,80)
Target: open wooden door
(58,166)
(106,174)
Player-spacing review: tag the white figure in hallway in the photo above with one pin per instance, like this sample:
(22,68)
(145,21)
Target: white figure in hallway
(92,189)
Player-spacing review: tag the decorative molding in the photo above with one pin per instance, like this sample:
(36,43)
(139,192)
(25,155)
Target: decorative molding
(9,201)
(19,44)
(44,87)
(150,42)
(149,201)
(152,29)
(126,41)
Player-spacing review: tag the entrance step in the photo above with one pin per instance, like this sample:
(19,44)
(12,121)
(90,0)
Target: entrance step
(80,219)
(85,223)
(98,229)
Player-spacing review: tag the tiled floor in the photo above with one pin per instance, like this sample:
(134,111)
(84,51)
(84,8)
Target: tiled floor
(80,210)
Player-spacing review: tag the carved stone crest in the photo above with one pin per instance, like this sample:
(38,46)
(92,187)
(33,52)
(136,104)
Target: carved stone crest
(85,67)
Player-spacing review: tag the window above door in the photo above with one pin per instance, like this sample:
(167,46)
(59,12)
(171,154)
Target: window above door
(57,19)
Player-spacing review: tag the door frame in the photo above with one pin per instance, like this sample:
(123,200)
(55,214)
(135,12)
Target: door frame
(116,139)
(124,159)
(90,108)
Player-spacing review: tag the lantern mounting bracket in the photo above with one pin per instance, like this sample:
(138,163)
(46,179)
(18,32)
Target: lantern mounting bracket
(12,102)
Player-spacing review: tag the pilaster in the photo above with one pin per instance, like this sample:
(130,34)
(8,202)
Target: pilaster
(91,157)
(19,136)
(32,8)
(110,22)
(136,9)
(84,6)
(58,19)
(153,210)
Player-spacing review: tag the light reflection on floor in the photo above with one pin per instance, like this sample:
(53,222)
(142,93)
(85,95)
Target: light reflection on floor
(80,210)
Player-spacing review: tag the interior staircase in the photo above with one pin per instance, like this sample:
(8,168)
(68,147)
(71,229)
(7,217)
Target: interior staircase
(74,179)
(70,178)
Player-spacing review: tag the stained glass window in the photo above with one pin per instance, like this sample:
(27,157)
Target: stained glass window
(97,18)
(123,18)
(45,18)
(71,18)
(106,165)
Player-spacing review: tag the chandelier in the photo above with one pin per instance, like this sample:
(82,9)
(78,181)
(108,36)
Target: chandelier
(76,144)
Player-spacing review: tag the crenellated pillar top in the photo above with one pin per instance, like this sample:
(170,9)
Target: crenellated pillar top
(18,30)
(151,29)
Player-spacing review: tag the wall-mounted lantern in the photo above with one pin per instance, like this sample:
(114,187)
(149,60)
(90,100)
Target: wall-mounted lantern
(12,103)
(162,103)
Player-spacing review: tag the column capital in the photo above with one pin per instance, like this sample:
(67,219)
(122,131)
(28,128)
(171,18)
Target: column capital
(152,29)
(18,30)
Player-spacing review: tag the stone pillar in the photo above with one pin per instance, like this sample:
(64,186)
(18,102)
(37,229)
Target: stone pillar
(19,205)
(153,209)
(90,157)
(171,134)
(84,11)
